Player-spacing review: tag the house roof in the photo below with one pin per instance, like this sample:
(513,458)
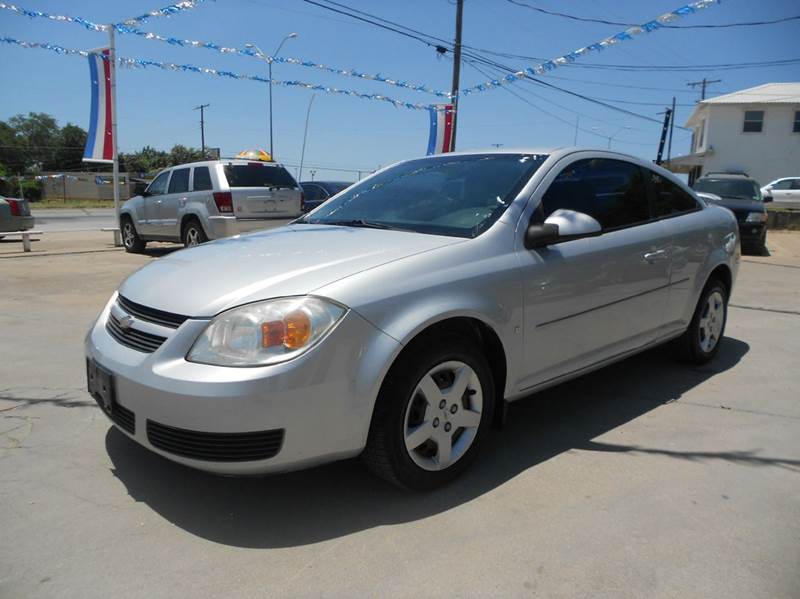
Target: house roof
(769,93)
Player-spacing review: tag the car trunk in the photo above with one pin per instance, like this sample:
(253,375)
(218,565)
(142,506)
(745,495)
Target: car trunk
(261,190)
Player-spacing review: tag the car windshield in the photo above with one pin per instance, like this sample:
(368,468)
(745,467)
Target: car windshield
(459,196)
(742,189)
(258,174)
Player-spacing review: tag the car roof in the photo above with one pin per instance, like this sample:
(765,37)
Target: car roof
(726,176)
(234,161)
(324,182)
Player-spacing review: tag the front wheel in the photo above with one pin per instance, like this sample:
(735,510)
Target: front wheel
(700,342)
(130,238)
(433,411)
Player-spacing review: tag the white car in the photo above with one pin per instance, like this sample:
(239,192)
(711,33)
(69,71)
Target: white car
(783,190)
(193,203)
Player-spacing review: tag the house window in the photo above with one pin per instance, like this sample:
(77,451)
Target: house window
(701,136)
(753,121)
(796,127)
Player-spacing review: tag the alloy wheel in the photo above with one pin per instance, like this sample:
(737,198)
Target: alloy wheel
(128,235)
(192,237)
(443,415)
(711,321)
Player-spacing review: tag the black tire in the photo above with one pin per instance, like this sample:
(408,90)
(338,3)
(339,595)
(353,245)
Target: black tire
(385,453)
(193,234)
(692,346)
(130,238)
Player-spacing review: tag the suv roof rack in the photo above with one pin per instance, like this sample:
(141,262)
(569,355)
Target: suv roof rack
(734,173)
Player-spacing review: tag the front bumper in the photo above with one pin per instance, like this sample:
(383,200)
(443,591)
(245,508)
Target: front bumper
(752,232)
(317,407)
(228,226)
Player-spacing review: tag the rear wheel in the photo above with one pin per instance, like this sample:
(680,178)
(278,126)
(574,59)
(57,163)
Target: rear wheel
(193,233)
(432,413)
(130,238)
(700,342)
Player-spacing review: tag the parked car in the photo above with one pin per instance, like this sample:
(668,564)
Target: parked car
(395,320)
(15,215)
(193,203)
(783,190)
(317,192)
(742,195)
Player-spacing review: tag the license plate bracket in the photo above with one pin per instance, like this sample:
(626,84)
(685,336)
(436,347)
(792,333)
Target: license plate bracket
(101,385)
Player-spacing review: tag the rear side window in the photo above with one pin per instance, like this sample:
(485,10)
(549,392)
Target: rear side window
(668,198)
(256,174)
(612,191)
(202,179)
(313,193)
(180,181)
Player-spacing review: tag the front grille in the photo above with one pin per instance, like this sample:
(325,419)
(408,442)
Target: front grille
(120,415)
(133,338)
(215,447)
(166,319)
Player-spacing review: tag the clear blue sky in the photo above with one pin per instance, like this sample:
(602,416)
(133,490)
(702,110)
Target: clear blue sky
(155,107)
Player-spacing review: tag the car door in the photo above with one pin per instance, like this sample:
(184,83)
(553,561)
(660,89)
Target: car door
(680,214)
(595,298)
(173,201)
(149,225)
(794,192)
(781,190)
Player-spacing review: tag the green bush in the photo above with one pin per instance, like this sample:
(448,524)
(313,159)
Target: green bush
(32,189)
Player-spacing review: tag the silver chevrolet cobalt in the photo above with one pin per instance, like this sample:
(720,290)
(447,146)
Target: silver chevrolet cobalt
(393,321)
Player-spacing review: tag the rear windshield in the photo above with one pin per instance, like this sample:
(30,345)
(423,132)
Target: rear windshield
(256,174)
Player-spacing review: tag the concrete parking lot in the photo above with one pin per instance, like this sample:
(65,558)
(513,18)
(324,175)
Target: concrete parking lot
(645,479)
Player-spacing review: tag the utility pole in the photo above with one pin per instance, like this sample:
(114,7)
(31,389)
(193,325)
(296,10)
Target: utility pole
(703,84)
(664,131)
(456,71)
(577,126)
(305,136)
(671,129)
(201,108)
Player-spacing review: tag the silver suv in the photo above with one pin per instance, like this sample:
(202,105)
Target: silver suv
(193,203)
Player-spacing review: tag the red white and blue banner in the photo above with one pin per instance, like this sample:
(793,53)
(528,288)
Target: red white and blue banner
(441,135)
(100,141)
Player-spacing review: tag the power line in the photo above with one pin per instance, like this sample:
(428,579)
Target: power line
(607,22)
(685,67)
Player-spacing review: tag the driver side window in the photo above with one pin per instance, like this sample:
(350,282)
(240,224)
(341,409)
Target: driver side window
(159,185)
(613,192)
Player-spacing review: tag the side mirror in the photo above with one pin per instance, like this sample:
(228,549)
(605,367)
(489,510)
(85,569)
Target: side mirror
(562,225)
(767,198)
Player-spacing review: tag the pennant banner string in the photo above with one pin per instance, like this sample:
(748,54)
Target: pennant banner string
(544,67)
(91,26)
(129,27)
(169,66)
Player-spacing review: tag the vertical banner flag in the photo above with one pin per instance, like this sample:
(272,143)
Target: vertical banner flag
(441,135)
(99,141)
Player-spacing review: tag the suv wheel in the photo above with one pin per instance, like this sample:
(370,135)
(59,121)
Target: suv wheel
(700,342)
(193,233)
(130,238)
(433,411)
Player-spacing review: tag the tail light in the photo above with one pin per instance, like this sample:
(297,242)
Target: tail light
(14,205)
(224,201)
(302,201)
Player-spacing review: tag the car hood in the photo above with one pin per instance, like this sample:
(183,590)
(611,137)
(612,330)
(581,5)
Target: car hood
(738,206)
(290,260)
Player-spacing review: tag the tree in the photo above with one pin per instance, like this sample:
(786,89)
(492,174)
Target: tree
(69,153)
(37,139)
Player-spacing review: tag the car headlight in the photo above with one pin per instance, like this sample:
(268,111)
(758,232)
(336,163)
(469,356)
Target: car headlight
(265,332)
(756,217)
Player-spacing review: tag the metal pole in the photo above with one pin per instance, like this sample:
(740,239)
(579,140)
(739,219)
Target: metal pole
(112,58)
(305,135)
(456,71)
(577,124)
(271,150)
(202,108)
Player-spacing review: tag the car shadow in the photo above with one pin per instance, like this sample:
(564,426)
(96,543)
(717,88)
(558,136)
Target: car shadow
(341,498)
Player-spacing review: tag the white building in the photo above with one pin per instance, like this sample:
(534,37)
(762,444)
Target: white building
(755,130)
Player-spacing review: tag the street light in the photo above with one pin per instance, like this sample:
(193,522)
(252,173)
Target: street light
(602,133)
(270,59)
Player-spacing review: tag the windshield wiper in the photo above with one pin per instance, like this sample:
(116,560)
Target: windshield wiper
(356,222)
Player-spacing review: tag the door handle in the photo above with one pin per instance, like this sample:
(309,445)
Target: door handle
(652,257)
